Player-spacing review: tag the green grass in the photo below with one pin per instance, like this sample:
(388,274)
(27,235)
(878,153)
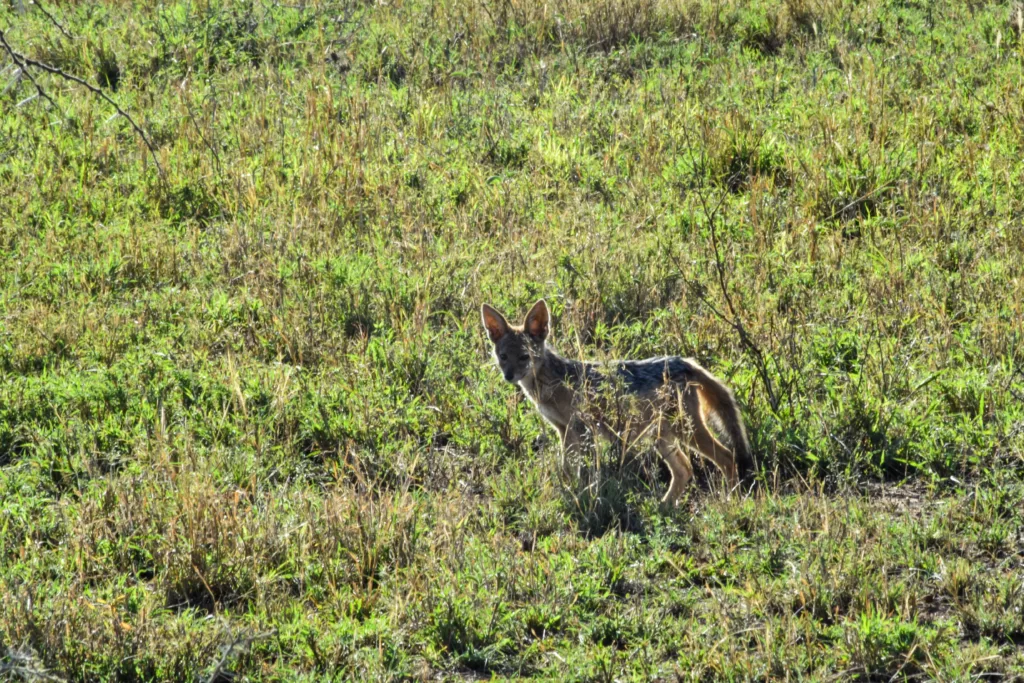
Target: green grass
(248,422)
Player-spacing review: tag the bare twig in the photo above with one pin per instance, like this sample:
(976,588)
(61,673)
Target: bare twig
(733,319)
(22,70)
(25,62)
(195,124)
(745,340)
(53,20)
(858,200)
(237,643)
(24,664)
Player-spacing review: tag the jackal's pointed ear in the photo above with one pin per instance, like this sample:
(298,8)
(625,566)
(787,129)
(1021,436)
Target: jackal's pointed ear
(538,321)
(494,322)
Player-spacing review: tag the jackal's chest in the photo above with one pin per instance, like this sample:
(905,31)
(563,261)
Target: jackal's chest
(551,409)
(550,414)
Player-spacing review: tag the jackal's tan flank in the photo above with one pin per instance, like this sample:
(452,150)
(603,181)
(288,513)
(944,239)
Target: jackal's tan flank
(673,396)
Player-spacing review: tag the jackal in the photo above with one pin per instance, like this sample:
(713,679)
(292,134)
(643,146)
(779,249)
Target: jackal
(670,398)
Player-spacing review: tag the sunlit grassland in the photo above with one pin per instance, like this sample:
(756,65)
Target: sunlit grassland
(248,422)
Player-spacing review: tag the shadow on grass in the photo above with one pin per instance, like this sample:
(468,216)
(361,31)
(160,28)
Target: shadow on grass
(618,490)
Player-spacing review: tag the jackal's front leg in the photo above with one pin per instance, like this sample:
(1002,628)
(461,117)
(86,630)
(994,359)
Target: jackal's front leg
(572,445)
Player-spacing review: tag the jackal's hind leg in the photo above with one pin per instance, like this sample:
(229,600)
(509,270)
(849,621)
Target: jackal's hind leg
(678,465)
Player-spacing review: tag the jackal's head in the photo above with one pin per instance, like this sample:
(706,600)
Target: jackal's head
(517,348)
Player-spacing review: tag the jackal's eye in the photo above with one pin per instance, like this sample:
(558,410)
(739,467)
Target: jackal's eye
(524,358)
(503,356)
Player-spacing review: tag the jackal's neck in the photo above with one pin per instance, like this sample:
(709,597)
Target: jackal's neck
(550,372)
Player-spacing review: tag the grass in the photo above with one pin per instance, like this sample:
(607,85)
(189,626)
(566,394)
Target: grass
(248,423)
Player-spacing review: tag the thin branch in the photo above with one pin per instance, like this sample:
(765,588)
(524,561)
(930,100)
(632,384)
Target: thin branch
(236,644)
(24,62)
(737,322)
(53,20)
(24,664)
(734,320)
(745,340)
(856,202)
(195,124)
(23,70)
